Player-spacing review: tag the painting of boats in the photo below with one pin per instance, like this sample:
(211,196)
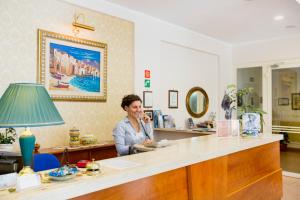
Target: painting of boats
(72,68)
(75,68)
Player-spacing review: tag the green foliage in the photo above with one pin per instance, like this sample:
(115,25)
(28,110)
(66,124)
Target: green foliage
(8,136)
(235,94)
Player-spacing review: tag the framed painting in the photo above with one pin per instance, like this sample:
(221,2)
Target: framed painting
(147,99)
(149,113)
(283,101)
(173,99)
(295,101)
(72,69)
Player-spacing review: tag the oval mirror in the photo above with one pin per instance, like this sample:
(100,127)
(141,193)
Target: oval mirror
(197,102)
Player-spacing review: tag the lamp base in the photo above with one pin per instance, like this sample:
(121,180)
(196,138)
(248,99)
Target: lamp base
(27,141)
(26,170)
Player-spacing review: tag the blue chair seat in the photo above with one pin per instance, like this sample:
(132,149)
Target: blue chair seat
(45,161)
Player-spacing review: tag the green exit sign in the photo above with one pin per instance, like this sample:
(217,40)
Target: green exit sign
(147,83)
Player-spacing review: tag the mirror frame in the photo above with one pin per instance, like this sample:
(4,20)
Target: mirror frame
(187,100)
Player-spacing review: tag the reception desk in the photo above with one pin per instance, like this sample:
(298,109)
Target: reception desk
(204,168)
(175,134)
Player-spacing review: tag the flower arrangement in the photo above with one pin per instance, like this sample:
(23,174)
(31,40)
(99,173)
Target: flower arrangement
(8,136)
(228,102)
(233,99)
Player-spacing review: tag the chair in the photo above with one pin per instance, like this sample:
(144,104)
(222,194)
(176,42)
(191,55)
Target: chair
(45,161)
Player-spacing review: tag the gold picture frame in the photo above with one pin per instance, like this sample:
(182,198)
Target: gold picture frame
(71,68)
(295,101)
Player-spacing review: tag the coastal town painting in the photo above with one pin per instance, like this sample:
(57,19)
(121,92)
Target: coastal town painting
(72,69)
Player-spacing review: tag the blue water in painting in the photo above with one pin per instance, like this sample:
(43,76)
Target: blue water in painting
(86,83)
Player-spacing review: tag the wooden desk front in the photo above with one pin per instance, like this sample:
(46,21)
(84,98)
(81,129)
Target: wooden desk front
(252,174)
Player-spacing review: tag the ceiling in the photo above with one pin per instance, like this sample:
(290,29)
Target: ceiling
(231,21)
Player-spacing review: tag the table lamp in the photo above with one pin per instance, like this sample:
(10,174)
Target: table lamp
(27,105)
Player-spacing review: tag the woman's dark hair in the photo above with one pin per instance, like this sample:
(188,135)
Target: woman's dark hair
(128,99)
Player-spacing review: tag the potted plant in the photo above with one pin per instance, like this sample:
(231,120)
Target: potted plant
(234,98)
(245,107)
(285,141)
(7,138)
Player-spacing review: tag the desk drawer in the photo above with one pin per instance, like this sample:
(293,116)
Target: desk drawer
(258,191)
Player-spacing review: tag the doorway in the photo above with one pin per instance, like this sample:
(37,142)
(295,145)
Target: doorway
(286,113)
(277,91)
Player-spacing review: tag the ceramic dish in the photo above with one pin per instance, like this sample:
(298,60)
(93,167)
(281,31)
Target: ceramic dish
(62,178)
(63,173)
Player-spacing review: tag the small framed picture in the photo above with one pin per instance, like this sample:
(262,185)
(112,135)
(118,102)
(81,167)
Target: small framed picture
(283,101)
(173,99)
(251,124)
(147,99)
(295,101)
(149,113)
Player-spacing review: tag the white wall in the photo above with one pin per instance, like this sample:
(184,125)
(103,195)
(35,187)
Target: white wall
(249,54)
(149,34)
(181,69)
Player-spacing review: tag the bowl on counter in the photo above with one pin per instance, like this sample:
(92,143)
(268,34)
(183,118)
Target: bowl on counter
(63,173)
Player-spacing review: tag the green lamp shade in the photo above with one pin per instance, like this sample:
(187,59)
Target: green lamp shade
(27,105)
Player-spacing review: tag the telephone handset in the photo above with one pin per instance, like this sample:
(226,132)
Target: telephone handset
(147,135)
(191,123)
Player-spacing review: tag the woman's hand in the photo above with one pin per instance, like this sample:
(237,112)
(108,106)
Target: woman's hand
(146,118)
(147,141)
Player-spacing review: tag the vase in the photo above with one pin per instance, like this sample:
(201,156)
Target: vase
(74,137)
(228,114)
(6,147)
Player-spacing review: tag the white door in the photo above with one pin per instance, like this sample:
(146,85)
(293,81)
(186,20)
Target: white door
(284,96)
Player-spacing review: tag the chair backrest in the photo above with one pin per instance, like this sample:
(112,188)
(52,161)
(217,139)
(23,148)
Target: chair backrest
(45,161)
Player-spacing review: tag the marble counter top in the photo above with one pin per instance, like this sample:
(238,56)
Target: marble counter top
(180,153)
(196,130)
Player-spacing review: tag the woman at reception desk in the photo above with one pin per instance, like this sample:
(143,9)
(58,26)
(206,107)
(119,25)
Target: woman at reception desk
(204,168)
(133,129)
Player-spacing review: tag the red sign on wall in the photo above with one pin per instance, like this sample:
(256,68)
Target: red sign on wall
(147,73)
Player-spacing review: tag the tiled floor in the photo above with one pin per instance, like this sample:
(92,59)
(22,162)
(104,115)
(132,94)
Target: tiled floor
(291,188)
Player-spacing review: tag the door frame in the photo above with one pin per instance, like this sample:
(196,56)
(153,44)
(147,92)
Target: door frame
(267,67)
